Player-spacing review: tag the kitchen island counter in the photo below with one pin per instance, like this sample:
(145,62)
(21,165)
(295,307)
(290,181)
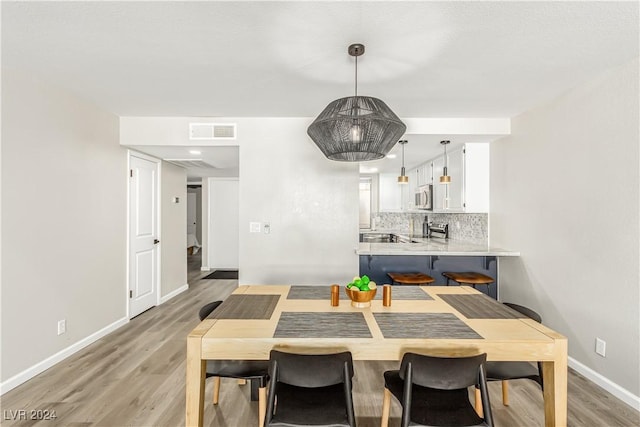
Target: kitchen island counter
(432,256)
(433,246)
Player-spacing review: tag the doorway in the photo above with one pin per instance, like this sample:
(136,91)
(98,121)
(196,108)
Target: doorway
(143,233)
(194,219)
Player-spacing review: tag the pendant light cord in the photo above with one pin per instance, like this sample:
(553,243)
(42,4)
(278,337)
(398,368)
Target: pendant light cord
(445,155)
(356,76)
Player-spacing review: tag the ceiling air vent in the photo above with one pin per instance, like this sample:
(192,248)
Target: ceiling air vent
(212,131)
(190,163)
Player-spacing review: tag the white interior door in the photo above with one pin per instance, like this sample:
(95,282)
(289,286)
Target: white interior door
(191,213)
(143,234)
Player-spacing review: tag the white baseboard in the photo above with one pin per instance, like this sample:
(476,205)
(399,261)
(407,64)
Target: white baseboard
(621,393)
(203,268)
(42,366)
(172,294)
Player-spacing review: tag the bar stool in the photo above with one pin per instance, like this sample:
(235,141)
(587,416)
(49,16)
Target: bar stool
(410,278)
(469,278)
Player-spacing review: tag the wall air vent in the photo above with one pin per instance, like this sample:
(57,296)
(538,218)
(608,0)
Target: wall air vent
(212,131)
(190,163)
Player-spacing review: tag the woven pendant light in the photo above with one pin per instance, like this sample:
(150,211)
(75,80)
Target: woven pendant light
(356,128)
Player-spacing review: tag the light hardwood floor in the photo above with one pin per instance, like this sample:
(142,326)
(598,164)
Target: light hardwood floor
(136,376)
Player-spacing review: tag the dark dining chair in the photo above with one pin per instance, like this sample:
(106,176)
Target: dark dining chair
(504,371)
(256,371)
(433,391)
(310,390)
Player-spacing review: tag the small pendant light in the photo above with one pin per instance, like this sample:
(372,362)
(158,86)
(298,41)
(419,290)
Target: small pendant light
(403,178)
(445,179)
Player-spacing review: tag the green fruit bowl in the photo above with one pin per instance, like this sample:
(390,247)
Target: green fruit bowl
(360,299)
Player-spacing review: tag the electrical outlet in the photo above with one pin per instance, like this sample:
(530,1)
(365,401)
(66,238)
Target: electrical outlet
(601,347)
(62,326)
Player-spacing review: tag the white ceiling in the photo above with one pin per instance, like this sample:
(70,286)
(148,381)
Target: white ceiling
(277,59)
(223,161)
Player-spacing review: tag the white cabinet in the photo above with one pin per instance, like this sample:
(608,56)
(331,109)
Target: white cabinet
(389,192)
(449,197)
(425,173)
(418,176)
(468,190)
(440,191)
(476,177)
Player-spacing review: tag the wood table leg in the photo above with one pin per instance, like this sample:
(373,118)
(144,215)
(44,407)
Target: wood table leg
(386,406)
(554,374)
(478,403)
(216,390)
(196,369)
(262,405)
(505,392)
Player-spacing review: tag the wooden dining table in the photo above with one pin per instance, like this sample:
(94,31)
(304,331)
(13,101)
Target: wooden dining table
(436,320)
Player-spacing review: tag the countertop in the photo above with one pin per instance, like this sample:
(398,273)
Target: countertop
(431,246)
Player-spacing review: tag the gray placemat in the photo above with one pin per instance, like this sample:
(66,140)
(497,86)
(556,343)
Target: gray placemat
(480,307)
(312,292)
(322,325)
(423,325)
(402,292)
(246,307)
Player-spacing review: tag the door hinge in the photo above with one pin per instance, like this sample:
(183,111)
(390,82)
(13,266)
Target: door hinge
(131,173)
(130,294)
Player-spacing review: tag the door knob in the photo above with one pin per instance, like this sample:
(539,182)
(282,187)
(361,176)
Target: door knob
(156,241)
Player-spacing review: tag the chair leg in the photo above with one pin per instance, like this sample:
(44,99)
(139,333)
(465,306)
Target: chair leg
(255,385)
(505,393)
(216,390)
(262,405)
(479,403)
(386,403)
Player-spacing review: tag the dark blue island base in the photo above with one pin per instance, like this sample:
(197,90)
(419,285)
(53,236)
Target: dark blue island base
(377,267)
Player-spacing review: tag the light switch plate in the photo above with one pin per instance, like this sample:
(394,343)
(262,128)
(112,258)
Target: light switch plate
(254,227)
(601,347)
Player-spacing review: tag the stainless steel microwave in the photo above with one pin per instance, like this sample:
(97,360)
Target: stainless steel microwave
(424,197)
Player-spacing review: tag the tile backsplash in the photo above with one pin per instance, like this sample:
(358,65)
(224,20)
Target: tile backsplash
(462,226)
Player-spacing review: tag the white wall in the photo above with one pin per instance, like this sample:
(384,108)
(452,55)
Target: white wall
(310,201)
(565,193)
(223,223)
(173,234)
(64,181)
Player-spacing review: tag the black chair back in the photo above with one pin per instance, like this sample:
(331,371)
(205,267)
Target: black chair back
(308,387)
(524,310)
(312,370)
(207,309)
(442,373)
